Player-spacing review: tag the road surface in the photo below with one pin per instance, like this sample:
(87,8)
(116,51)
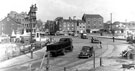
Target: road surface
(69,60)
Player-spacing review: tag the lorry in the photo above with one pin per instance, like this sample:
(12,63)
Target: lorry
(61,47)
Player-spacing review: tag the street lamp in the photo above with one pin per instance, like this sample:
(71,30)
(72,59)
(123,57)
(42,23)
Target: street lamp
(112,31)
(32,15)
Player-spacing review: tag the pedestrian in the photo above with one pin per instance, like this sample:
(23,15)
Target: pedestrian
(113,38)
(101,34)
(100,44)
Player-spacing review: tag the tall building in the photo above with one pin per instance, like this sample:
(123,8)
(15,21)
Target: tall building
(94,22)
(51,26)
(21,18)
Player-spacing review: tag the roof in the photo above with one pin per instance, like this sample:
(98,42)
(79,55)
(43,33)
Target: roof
(92,16)
(80,21)
(67,20)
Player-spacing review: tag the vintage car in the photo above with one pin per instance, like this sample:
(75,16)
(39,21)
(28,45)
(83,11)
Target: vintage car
(86,52)
(84,36)
(95,40)
(128,66)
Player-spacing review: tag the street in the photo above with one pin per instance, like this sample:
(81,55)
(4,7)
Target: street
(70,60)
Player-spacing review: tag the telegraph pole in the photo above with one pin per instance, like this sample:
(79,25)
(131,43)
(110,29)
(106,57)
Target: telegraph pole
(48,57)
(112,31)
(94,59)
(32,16)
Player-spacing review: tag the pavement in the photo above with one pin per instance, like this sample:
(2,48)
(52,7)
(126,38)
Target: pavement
(22,59)
(111,61)
(108,36)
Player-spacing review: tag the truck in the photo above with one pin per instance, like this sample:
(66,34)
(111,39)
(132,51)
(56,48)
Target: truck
(61,47)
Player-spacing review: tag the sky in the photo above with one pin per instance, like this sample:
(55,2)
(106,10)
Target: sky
(122,10)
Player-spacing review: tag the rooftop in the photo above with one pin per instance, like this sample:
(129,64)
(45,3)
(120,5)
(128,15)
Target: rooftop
(92,16)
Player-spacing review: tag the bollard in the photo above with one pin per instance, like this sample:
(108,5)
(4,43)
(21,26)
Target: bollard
(100,61)
(100,44)
(64,68)
(94,59)
(113,39)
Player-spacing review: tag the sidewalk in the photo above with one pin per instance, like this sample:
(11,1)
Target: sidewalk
(22,59)
(110,62)
(109,37)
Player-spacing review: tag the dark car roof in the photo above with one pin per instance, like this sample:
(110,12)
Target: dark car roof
(86,47)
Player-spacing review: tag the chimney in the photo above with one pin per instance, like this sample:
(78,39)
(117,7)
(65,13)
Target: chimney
(70,18)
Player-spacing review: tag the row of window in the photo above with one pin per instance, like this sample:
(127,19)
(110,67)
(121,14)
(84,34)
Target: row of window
(82,26)
(26,25)
(94,22)
(94,27)
(66,28)
(95,19)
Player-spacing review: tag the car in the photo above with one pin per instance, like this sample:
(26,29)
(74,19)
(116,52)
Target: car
(95,40)
(128,66)
(84,36)
(86,52)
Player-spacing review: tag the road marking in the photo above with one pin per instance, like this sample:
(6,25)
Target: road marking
(109,51)
(63,62)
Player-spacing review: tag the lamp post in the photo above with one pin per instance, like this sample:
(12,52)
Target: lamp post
(32,15)
(112,31)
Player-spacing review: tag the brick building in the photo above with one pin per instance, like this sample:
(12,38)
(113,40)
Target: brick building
(81,26)
(51,27)
(23,19)
(94,22)
(68,26)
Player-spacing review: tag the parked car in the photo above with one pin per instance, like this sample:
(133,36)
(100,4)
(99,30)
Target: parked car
(84,36)
(86,52)
(95,40)
(128,66)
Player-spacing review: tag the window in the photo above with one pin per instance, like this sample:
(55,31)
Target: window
(88,22)
(88,26)
(72,28)
(72,25)
(64,25)
(68,25)
(60,29)
(68,28)
(77,23)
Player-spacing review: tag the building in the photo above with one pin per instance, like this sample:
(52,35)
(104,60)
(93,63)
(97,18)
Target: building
(8,25)
(23,19)
(81,26)
(94,22)
(131,26)
(59,23)
(68,26)
(51,27)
